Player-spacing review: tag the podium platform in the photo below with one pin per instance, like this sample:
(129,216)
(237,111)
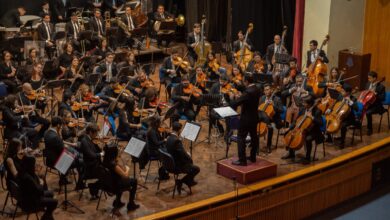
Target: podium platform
(251,173)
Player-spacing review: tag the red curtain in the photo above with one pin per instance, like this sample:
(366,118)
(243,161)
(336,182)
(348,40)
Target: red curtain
(298,30)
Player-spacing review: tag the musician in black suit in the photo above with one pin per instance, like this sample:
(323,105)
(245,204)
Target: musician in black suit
(239,43)
(60,10)
(54,145)
(45,9)
(313,52)
(249,102)
(11,18)
(161,15)
(131,24)
(46,33)
(193,39)
(72,29)
(169,72)
(380,93)
(112,5)
(271,49)
(108,70)
(275,121)
(183,102)
(183,161)
(97,24)
(312,134)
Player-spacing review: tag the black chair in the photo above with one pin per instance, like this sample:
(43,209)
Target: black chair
(151,159)
(169,164)
(105,180)
(14,193)
(386,103)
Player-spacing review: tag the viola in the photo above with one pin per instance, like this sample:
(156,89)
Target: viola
(333,120)
(91,98)
(201,79)
(118,88)
(40,95)
(214,65)
(77,106)
(77,122)
(259,66)
(192,90)
(237,79)
(178,61)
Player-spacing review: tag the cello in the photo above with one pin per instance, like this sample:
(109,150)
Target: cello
(295,138)
(333,120)
(368,97)
(203,47)
(269,110)
(244,55)
(317,70)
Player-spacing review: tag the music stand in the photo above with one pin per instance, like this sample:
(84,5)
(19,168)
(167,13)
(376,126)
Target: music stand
(112,31)
(139,33)
(134,148)
(52,84)
(63,164)
(210,100)
(83,36)
(92,81)
(263,78)
(191,132)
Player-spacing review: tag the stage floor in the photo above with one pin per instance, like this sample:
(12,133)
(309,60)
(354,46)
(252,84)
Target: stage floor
(209,182)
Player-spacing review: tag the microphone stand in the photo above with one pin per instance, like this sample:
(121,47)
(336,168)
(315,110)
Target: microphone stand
(236,197)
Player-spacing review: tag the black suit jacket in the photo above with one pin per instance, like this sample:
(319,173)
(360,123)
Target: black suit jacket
(91,152)
(11,18)
(42,33)
(124,19)
(59,9)
(69,29)
(322,54)
(191,40)
(54,145)
(250,102)
(103,68)
(12,121)
(94,25)
(157,16)
(237,47)
(176,150)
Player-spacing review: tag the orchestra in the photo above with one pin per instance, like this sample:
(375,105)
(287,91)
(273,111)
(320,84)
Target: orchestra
(64,100)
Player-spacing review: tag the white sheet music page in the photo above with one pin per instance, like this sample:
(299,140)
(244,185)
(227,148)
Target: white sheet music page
(105,129)
(225,111)
(64,162)
(135,147)
(190,131)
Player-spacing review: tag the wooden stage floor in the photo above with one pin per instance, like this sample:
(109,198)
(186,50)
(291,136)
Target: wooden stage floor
(209,183)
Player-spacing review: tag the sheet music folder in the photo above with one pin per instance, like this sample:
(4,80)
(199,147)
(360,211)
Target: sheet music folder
(190,131)
(135,147)
(225,112)
(64,161)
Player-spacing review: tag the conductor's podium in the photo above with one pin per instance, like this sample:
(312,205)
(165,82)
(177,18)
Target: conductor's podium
(251,173)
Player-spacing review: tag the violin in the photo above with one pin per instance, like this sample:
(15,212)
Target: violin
(192,90)
(39,95)
(269,110)
(118,88)
(333,120)
(214,65)
(178,61)
(201,79)
(147,83)
(77,106)
(294,139)
(229,90)
(237,79)
(91,98)
(77,122)
(259,67)
(137,113)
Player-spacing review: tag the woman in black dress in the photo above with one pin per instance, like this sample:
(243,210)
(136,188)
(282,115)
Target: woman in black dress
(8,72)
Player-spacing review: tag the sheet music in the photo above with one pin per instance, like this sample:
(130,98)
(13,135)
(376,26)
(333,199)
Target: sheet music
(64,162)
(105,129)
(190,131)
(135,147)
(225,112)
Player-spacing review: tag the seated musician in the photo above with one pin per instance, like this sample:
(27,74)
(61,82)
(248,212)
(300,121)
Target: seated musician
(161,15)
(152,100)
(130,63)
(46,33)
(256,65)
(170,72)
(333,80)
(73,29)
(8,72)
(350,118)
(34,116)
(380,93)
(92,155)
(121,180)
(183,161)
(11,18)
(108,70)
(94,102)
(237,77)
(65,59)
(154,139)
(183,100)
(32,190)
(74,70)
(313,52)
(213,68)
(98,26)
(193,39)
(69,128)
(13,120)
(293,70)
(200,79)
(312,134)
(127,128)
(33,57)
(131,24)
(13,157)
(101,51)
(275,101)
(54,145)
(37,80)
(67,101)
(299,89)
(138,85)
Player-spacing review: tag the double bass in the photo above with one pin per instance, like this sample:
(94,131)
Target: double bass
(317,70)
(277,67)
(203,47)
(244,55)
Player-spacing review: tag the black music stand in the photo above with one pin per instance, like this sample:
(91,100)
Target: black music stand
(49,69)
(84,36)
(139,33)
(52,84)
(59,35)
(333,93)
(211,101)
(263,78)
(112,31)
(134,148)
(167,29)
(93,79)
(191,132)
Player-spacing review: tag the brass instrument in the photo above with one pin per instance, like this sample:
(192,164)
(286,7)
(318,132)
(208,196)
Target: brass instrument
(107,19)
(180,21)
(81,21)
(123,26)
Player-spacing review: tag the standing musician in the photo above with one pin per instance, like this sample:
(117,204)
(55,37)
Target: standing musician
(8,72)
(72,29)
(11,18)
(183,161)
(249,101)
(60,9)
(193,40)
(213,67)
(272,49)
(13,120)
(54,145)
(170,72)
(312,54)
(296,91)
(184,101)
(312,134)
(46,33)
(271,99)
(239,43)
(350,118)
(139,84)
(256,65)
(380,94)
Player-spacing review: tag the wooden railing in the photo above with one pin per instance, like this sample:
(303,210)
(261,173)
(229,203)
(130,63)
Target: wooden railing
(295,195)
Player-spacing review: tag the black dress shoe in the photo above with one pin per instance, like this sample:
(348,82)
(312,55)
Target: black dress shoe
(251,159)
(132,206)
(304,161)
(288,156)
(179,184)
(239,163)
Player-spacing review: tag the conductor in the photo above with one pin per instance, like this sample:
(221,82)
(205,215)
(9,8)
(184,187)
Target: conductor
(249,102)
